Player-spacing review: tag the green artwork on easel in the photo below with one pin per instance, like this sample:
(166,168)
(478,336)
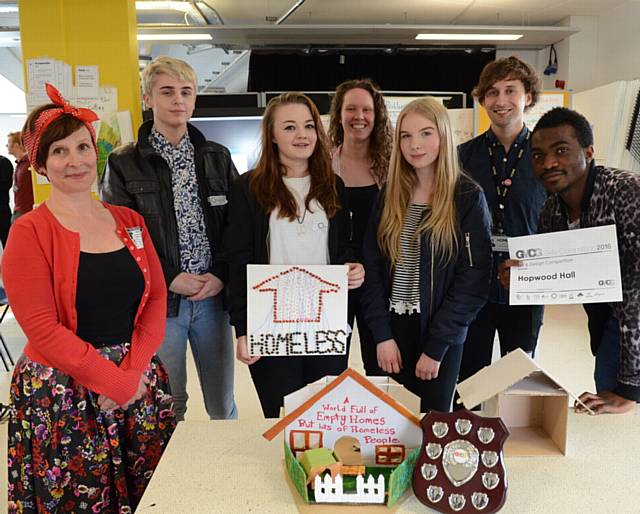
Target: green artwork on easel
(108,139)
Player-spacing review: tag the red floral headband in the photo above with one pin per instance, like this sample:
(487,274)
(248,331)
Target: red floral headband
(31,140)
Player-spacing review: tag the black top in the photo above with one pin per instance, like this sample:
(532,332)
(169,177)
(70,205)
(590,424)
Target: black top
(360,201)
(110,286)
(6,180)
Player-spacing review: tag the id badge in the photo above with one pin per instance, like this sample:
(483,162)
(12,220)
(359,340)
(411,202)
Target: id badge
(216,200)
(135,233)
(499,243)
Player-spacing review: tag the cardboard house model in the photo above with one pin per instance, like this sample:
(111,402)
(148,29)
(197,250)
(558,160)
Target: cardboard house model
(368,414)
(532,404)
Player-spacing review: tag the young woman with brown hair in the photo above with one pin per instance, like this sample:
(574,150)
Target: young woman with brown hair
(289,210)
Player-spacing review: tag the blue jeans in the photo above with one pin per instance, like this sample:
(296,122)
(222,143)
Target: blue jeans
(608,357)
(206,325)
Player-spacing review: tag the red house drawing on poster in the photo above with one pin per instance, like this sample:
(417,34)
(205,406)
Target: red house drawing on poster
(297,295)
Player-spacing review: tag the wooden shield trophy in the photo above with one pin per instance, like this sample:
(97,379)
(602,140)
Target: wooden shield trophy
(460,468)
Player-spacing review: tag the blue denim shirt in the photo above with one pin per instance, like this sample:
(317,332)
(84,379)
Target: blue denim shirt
(526,196)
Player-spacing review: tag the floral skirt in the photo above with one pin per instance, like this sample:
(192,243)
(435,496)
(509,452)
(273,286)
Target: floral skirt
(66,455)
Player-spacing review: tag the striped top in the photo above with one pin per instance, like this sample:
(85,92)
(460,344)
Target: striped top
(405,285)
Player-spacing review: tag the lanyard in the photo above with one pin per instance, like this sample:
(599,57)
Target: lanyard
(502,186)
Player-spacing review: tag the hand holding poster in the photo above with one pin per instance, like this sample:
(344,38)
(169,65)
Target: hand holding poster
(297,310)
(573,266)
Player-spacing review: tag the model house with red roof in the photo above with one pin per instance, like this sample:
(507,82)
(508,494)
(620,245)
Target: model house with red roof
(367,414)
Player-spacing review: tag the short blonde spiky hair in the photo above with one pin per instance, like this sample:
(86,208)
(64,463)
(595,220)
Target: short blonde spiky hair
(169,66)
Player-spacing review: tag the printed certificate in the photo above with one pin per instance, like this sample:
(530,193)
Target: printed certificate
(573,266)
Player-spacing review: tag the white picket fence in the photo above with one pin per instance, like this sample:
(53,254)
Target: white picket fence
(327,490)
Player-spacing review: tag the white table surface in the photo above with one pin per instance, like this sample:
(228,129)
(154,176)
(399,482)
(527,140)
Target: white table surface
(228,467)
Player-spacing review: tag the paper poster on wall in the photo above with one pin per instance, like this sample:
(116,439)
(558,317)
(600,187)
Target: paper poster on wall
(462,124)
(104,104)
(545,103)
(395,104)
(87,81)
(39,72)
(297,310)
(42,70)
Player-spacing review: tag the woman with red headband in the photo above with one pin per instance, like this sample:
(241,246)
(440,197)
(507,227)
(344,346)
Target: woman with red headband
(91,411)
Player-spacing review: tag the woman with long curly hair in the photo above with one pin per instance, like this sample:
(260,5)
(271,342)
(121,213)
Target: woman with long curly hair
(427,254)
(361,137)
(288,210)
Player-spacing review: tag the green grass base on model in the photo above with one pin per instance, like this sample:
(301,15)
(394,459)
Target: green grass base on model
(397,480)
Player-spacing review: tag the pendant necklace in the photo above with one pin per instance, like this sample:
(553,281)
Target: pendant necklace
(300,219)
(299,200)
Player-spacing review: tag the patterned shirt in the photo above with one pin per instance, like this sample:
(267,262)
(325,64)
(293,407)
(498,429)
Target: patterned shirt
(405,285)
(195,250)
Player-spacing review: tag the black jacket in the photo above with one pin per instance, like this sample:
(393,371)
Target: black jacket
(451,294)
(246,241)
(139,178)
(6,181)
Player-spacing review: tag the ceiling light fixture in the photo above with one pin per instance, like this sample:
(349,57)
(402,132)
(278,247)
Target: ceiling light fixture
(468,37)
(175,37)
(155,5)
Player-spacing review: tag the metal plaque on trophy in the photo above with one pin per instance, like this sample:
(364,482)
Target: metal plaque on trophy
(461,468)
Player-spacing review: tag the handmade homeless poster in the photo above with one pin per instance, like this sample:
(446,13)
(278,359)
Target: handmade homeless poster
(297,310)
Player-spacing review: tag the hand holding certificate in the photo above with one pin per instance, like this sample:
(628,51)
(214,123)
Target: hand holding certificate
(573,266)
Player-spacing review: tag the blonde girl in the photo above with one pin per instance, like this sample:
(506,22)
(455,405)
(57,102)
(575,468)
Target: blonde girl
(427,255)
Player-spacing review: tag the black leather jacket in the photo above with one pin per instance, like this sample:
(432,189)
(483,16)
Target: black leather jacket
(139,178)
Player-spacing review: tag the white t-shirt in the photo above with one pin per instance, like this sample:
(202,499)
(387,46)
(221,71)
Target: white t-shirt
(304,240)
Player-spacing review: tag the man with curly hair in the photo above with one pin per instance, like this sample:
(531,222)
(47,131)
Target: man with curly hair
(499,160)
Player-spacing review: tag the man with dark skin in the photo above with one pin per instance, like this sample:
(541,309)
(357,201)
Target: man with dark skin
(585,195)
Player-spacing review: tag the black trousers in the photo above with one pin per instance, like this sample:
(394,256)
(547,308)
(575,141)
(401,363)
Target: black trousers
(276,377)
(434,394)
(518,326)
(367,346)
